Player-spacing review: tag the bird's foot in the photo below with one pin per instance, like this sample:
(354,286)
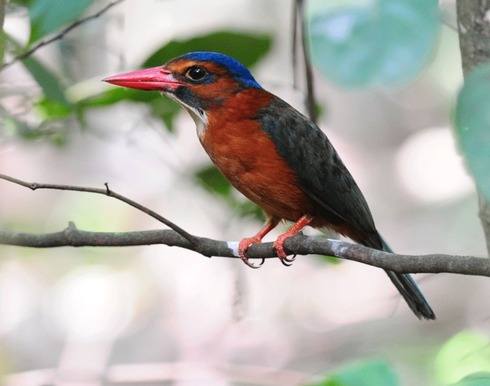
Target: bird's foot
(293,231)
(280,251)
(243,245)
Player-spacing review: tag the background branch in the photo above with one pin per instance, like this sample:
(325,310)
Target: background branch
(60,35)
(474,43)
(310,91)
(294,44)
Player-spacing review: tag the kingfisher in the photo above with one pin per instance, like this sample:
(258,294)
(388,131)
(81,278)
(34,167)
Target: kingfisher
(270,152)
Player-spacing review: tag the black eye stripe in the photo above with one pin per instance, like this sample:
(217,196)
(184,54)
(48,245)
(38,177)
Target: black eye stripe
(196,73)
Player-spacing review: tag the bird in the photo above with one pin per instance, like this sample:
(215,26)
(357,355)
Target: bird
(274,155)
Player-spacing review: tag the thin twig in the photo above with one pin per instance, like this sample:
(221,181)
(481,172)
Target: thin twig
(60,35)
(310,91)
(106,192)
(294,44)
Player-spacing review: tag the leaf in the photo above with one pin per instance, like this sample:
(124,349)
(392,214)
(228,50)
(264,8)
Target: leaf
(386,41)
(331,259)
(246,48)
(465,353)
(165,109)
(23,3)
(49,109)
(212,180)
(473,125)
(370,373)
(478,379)
(20,129)
(49,15)
(161,107)
(115,95)
(248,209)
(3,44)
(48,82)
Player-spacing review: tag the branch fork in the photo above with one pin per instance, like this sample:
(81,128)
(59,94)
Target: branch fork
(178,237)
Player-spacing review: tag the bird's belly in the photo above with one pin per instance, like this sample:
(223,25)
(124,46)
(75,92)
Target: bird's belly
(263,177)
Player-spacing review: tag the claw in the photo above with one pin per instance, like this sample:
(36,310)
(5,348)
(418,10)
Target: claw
(280,251)
(245,243)
(242,251)
(247,262)
(294,230)
(287,262)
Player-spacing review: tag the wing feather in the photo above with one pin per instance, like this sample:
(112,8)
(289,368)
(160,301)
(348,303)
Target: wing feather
(321,173)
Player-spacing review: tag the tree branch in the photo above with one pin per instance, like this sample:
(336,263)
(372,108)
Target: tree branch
(474,42)
(60,35)
(300,245)
(310,91)
(106,192)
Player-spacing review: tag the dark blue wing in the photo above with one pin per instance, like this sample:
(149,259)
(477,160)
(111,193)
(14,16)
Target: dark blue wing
(320,172)
(326,181)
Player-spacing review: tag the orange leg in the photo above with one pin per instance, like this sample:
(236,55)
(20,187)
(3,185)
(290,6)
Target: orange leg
(294,230)
(246,242)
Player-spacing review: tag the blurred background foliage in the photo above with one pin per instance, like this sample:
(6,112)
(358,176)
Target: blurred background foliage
(354,44)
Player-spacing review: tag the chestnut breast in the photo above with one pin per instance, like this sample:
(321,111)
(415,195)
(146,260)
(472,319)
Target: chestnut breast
(248,158)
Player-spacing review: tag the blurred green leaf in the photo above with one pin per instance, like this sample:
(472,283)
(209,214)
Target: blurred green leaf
(48,82)
(14,127)
(3,43)
(49,15)
(212,180)
(478,379)
(331,260)
(49,109)
(161,107)
(246,48)
(118,94)
(386,41)
(165,109)
(465,353)
(23,3)
(248,209)
(370,373)
(473,125)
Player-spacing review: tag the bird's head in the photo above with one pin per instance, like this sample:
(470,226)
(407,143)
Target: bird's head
(197,80)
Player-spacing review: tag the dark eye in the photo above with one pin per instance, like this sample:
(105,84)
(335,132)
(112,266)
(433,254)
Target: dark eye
(196,73)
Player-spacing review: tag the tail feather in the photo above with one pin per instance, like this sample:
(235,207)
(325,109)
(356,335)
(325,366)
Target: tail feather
(410,291)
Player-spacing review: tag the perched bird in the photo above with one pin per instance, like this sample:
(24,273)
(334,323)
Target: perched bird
(271,153)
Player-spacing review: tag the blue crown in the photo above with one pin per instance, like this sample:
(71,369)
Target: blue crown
(239,72)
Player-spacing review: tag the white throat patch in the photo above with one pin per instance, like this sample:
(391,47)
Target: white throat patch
(199,116)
